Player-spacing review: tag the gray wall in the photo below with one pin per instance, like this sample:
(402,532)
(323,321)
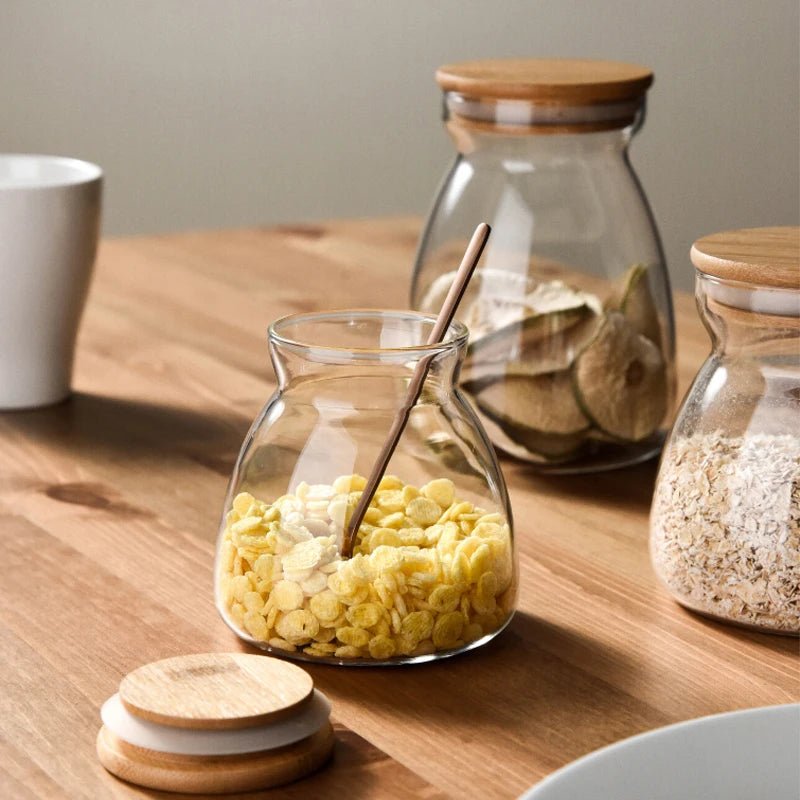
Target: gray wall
(207,113)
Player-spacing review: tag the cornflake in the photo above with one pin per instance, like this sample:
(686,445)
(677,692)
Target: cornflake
(429,572)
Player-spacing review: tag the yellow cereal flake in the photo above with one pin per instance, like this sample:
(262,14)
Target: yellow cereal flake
(255,625)
(271,615)
(365,615)
(237,613)
(387,559)
(325,635)
(390,482)
(349,483)
(323,648)
(242,503)
(412,537)
(487,584)
(373,516)
(455,510)
(347,651)
(417,625)
(447,630)
(409,493)
(253,601)
(459,569)
(298,626)
(287,595)
(396,520)
(480,561)
(396,620)
(472,632)
(425,648)
(356,637)
(441,490)
(381,647)
(384,536)
(246,525)
(282,644)
(325,606)
(444,599)
(240,585)
(264,566)
(423,512)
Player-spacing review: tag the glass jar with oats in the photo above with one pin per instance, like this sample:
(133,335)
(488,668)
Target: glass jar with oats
(571,356)
(433,570)
(725,521)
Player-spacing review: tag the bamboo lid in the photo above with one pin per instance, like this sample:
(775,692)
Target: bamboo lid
(215,691)
(767,257)
(215,722)
(549,81)
(205,775)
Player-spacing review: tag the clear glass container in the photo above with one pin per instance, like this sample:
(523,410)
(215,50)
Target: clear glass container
(571,358)
(434,569)
(725,521)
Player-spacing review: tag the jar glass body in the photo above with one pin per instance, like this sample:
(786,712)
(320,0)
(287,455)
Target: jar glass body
(572,238)
(434,568)
(725,521)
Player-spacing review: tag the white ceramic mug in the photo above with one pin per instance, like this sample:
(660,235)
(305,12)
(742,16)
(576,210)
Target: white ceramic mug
(49,224)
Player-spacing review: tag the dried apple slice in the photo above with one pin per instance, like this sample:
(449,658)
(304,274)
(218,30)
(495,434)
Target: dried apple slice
(635,301)
(620,380)
(532,445)
(537,412)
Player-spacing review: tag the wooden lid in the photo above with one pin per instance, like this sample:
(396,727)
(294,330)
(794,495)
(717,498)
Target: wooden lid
(215,691)
(214,775)
(551,81)
(759,256)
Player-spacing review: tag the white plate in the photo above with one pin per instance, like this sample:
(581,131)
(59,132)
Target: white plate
(743,755)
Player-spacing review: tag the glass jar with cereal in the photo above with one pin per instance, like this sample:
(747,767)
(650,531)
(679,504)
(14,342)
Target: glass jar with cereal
(433,571)
(725,521)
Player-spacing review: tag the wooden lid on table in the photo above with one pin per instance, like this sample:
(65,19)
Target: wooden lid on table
(222,692)
(768,257)
(215,691)
(548,81)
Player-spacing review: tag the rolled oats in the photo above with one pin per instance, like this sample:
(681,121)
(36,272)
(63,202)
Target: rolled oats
(725,527)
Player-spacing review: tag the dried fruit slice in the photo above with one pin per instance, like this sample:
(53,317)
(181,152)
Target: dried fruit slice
(529,444)
(535,415)
(620,380)
(634,299)
(511,341)
(551,325)
(544,403)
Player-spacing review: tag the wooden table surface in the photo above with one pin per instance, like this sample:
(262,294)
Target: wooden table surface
(109,505)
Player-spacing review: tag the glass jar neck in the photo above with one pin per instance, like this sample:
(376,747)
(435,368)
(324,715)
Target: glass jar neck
(524,126)
(750,320)
(363,358)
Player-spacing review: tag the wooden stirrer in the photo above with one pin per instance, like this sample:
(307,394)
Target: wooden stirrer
(468,263)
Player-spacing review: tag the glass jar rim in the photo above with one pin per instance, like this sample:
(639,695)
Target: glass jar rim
(531,116)
(750,297)
(456,336)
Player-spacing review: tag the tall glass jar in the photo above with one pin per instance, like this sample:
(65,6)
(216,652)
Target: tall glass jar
(725,522)
(571,357)
(434,571)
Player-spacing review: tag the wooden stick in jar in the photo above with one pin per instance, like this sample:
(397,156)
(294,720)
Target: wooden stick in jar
(468,263)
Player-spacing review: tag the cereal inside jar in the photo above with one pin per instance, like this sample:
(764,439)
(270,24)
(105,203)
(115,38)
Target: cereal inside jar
(430,572)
